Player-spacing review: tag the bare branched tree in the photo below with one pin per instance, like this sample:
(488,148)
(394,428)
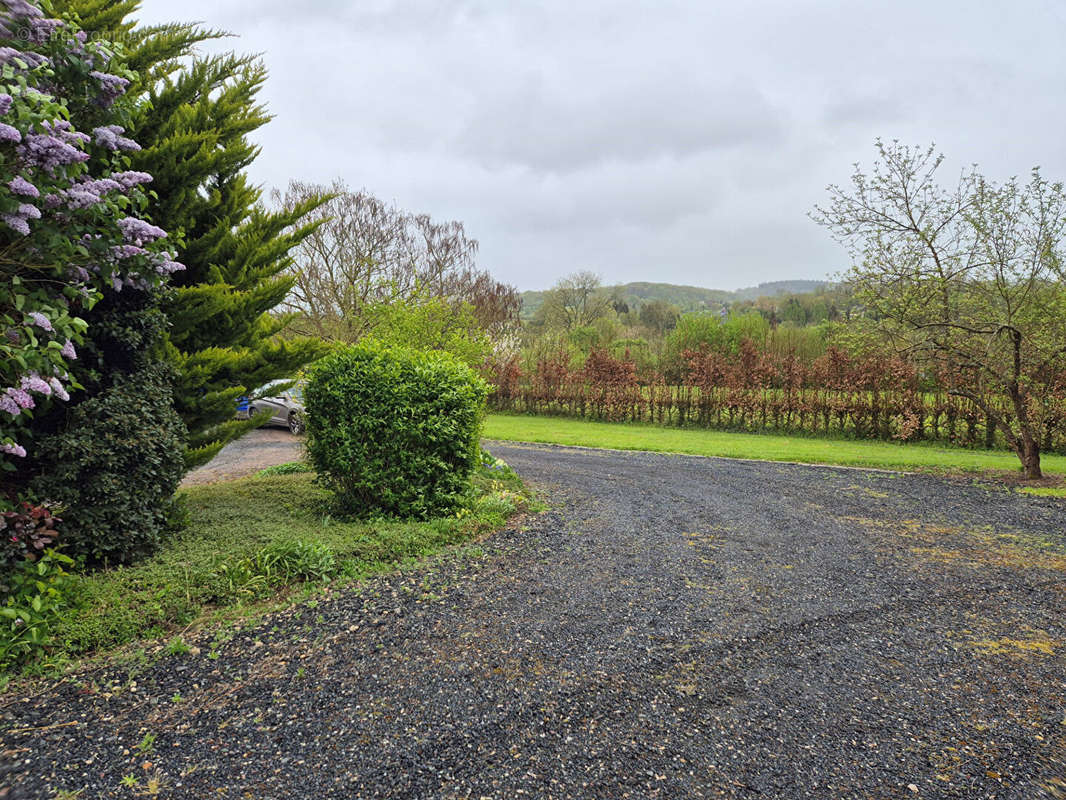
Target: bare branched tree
(366,253)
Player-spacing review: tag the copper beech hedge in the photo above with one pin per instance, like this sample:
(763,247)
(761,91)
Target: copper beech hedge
(874,397)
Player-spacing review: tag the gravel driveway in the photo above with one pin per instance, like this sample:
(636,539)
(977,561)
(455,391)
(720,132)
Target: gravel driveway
(257,449)
(673,627)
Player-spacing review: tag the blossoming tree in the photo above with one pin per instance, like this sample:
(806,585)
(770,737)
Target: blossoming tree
(70,213)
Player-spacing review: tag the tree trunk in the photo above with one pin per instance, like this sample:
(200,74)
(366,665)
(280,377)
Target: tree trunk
(1029,453)
(1027,445)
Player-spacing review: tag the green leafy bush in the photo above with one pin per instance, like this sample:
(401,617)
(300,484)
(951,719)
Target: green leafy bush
(116,467)
(37,594)
(430,323)
(394,431)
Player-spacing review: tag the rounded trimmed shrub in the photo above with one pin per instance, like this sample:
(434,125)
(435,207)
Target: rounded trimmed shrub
(392,430)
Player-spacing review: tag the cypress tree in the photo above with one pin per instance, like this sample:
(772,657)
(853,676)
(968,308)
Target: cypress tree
(193,120)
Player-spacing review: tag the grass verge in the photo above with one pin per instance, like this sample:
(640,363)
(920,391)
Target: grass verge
(763,447)
(249,544)
(1044,491)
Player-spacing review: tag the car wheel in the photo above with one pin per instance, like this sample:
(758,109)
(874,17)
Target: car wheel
(296,423)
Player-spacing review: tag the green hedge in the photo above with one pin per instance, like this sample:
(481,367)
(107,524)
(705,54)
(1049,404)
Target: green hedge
(394,431)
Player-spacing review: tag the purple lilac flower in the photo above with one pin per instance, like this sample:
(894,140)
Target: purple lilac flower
(68,351)
(100,186)
(80,273)
(28,58)
(110,137)
(124,251)
(19,185)
(138,231)
(29,211)
(116,283)
(169,267)
(48,151)
(131,178)
(57,389)
(16,223)
(41,30)
(5,103)
(106,135)
(13,449)
(9,54)
(9,133)
(54,200)
(35,383)
(22,8)
(9,405)
(78,197)
(111,86)
(64,129)
(108,80)
(22,400)
(40,320)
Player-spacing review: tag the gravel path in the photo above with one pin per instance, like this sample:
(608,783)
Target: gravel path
(263,447)
(673,627)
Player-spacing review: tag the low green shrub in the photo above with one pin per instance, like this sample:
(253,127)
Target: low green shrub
(277,564)
(497,466)
(26,531)
(114,468)
(394,431)
(38,592)
(297,560)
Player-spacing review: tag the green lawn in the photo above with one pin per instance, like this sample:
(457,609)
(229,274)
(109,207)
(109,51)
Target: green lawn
(765,447)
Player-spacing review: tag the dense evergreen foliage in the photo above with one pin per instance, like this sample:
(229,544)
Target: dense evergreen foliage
(193,119)
(115,468)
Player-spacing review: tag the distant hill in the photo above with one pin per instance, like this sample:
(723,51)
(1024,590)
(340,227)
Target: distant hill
(688,298)
(774,288)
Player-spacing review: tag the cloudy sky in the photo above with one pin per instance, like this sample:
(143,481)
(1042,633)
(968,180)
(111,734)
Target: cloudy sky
(659,140)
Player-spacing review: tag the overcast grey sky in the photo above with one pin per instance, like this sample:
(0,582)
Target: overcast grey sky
(660,140)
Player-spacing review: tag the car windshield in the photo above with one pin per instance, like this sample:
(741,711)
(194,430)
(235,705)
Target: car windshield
(272,388)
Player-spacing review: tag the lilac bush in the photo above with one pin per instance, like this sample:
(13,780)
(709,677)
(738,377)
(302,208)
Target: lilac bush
(69,205)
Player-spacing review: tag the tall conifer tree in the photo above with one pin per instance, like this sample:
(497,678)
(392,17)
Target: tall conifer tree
(193,122)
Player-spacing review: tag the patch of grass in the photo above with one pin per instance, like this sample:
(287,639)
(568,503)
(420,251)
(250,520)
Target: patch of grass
(758,446)
(177,646)
(288,468)
(147,744)
(1044,491)
(252,541)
